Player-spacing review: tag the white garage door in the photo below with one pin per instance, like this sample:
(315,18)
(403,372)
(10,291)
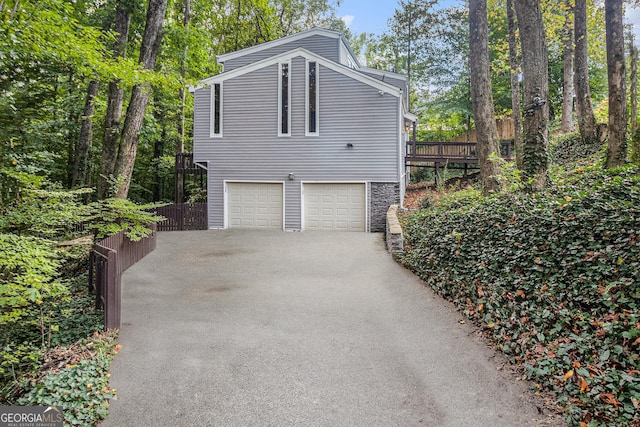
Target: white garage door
(338,207)
(254,205)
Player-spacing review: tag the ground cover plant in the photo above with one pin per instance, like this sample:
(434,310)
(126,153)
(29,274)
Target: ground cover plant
(553,278)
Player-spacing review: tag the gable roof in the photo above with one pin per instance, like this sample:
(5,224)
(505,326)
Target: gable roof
(354,74)
(287,39)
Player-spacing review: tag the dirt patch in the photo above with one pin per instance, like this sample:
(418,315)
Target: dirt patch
(416,192)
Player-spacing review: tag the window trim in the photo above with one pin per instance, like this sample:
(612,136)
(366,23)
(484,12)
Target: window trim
(307,116)
(280,65)
(212,119)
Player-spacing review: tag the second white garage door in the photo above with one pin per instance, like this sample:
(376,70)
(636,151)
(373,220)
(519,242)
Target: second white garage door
(254,205)
(339,207)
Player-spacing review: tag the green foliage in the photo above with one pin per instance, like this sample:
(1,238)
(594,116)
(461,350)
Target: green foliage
(110,216)
(634,156)
(15,359)
(28,267)
(569,148)
(59,321)
(80,388)
(44,213)
(553,278)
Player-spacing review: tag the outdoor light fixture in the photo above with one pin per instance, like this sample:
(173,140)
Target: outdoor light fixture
(291,176)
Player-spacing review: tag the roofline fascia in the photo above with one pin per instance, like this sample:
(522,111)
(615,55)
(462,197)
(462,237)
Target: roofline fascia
(383,72)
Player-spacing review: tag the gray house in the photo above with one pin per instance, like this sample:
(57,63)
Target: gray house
(298,135)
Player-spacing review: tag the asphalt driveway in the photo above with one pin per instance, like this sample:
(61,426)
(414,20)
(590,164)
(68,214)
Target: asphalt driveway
(245,328)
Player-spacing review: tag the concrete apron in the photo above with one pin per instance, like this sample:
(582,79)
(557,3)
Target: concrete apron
(262,328)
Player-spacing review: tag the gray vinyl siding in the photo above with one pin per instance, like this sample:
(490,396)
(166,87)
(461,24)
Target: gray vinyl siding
(320,45)
(250,150)
(343,54)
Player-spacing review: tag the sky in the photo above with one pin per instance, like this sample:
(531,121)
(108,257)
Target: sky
(366,16)
(371,16)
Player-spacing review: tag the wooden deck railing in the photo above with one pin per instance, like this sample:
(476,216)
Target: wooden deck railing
(450,152)
(110,258)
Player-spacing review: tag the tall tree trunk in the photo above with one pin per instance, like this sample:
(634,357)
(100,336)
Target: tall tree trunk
(481,96)
(515,83)
(566,123)
(72,138)
(633,55)
(584,109)
(617,129)
(183,74)
(81,171)
(635,138)
(139,98)
(536,92)
(115,99)
(158,150)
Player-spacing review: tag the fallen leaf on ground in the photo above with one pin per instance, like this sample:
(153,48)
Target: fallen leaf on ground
(583,385)
(610,399)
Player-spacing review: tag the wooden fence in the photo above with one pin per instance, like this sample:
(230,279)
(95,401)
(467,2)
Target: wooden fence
(183,216)
(110,258)
(505,126)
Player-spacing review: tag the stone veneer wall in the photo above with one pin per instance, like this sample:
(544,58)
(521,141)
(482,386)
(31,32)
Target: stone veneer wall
(381,196)
(394,238)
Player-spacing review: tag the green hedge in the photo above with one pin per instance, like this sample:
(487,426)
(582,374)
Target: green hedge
(554,278)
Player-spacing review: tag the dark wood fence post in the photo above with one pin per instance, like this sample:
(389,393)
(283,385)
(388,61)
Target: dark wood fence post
(92,283)
(112,293)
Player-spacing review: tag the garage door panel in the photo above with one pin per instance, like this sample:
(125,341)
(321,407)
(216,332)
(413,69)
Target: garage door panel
(254,205)
(337,206)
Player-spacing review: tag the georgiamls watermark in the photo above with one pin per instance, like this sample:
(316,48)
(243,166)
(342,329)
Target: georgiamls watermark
(31,416)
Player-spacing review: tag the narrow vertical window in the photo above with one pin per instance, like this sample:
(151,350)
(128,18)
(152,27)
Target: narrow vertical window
(312,98)
(216,110)
(285,99)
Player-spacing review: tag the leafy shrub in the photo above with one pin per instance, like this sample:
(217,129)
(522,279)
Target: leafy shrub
(59,320)
(553,278)
(44,213)
(28,268)
(110,216)
(81,388)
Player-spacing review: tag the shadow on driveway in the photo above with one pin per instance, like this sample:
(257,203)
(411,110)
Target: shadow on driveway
(238,328)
